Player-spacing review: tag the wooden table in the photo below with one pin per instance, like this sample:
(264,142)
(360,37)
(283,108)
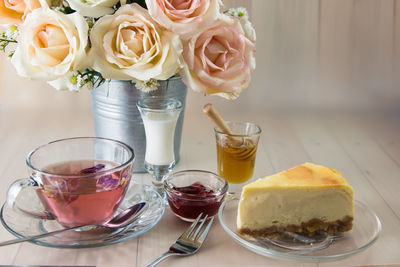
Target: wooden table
(322,54)
(364,147)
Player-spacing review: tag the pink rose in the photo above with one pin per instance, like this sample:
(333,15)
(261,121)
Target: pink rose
(183,16)
(15,11)
(219,60)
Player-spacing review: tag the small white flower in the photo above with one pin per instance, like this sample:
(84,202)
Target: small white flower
(67,82)
(87,86)
(12,32)
(243,15)
(147,86)
(239,12)
(7,38)
(84,83)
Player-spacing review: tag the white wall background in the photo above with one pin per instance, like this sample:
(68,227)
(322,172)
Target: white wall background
(311,54)
(326,54)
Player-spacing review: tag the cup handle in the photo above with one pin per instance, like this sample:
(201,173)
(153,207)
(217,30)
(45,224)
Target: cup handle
(15,189)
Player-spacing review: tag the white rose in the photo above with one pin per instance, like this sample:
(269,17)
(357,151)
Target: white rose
(51,45)
(15,11)
(93,8)
(130,45)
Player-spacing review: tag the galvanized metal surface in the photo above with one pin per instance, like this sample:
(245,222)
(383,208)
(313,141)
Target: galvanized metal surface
(116,116)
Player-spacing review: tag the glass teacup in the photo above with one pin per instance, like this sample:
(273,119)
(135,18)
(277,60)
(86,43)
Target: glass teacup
(79,181)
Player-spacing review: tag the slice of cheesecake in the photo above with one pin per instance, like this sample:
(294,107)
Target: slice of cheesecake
(305,199)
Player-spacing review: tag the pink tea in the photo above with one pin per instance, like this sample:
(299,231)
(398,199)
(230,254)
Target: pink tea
(86,195)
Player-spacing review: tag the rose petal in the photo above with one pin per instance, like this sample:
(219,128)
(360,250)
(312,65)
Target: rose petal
(108,182)
(93,169)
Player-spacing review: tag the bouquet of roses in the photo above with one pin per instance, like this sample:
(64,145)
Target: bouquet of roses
(81,43)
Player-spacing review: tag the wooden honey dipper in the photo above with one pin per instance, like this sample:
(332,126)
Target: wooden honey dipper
(244,148)
(214,116)
(218,121)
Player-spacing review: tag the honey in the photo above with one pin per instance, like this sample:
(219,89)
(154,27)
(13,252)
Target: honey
(236,161)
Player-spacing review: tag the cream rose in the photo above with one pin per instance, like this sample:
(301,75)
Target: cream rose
(183,16)
(93,8)
(219,61)
(15,11)
(130,45)
(51,44)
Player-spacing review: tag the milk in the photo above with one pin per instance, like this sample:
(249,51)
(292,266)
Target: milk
(160,129)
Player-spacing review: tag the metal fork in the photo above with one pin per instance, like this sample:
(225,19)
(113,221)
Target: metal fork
(189,242)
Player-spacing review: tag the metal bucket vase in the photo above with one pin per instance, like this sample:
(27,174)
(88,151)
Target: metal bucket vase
(116,116)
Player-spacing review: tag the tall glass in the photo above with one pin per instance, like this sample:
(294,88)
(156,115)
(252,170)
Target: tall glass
(159,117)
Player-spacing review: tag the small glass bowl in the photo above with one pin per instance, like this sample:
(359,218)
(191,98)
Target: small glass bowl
(192,192)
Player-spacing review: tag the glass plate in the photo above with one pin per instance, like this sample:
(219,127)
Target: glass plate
(366,229)
(21,225)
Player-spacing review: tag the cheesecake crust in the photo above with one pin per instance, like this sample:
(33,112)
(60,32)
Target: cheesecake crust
(309,228)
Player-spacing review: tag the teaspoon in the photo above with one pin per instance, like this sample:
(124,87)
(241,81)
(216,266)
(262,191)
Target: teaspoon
(122,219)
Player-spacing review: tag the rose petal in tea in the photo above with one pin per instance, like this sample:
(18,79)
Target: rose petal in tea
(108,182)
(93,169)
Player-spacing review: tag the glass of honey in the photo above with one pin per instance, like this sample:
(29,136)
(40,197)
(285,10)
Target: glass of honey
(236,152)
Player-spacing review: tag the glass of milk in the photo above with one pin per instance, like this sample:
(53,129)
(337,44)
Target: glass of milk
(159,117)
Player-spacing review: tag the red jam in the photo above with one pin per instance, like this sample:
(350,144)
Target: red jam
(189,201)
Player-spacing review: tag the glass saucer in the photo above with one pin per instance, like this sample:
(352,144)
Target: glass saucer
(293,247)
(22,225)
